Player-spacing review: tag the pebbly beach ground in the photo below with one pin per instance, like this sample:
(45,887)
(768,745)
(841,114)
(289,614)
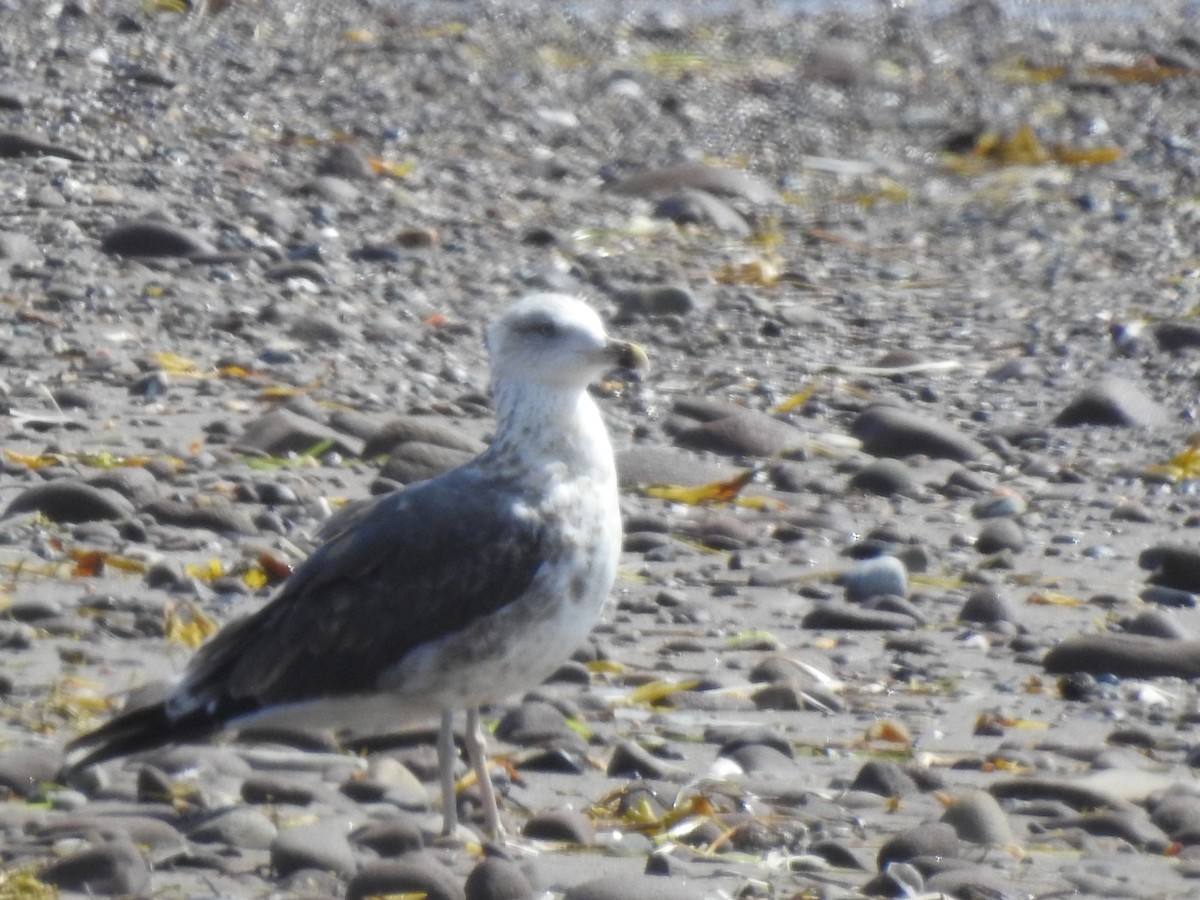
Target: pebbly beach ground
(908,602)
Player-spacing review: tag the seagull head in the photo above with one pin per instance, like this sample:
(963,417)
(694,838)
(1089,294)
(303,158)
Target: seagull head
(557,341)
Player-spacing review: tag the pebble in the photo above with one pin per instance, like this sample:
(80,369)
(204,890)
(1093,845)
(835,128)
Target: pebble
(624,887)
(68,500)
(1113,402)
(1173,566)
(115,868)
(345,161)
(1125,656)
(416,872)
(694,207)
(393,837)
(1156,623)
(998,504)
(414,461)
(1168,596)
(884,778)
(878,576)
(23,771)
(895,432)
(567,825)
(977,818)
(1131,827)
(646,465)
(496,878)
(1175,336)
(219,517)
(885,477)
(150,238)
(852,617)
(281,431)
(385,438)
(631,760)
(15,144)
(657,300)
(987,606)
(534,722)
(761,760)
(699,176)
(745,433)
(928,839)
(998,535)
(321,845)
(1178,815)
(241,827)
(970,881)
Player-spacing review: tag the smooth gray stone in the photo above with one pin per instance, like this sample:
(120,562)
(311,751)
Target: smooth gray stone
(418,871)
(322,846)
(69,500)
(1113,402)
(892,431)
(1125,656)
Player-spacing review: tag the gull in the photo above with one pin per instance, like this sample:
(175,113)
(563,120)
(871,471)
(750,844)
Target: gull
(446,595)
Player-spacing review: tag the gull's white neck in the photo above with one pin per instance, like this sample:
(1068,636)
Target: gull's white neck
(549,424)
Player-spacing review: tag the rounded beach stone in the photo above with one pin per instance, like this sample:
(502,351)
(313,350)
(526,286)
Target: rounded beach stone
(998,535)
(322,845)
(498,879)
(885,779)
(625,887)
(1178,814)
(977,818)
(282,431)
(852,617)
(423,429)
(114,868)
(700,176)
(68,500)
(153,239)
(534,722)
(416,872)
(762,759)
(16,144)
(23,770)
(877,576)
(986,606)
(221,518)
(239,826)
(415,461)
(1113,402)
(745,433)
(1156,623)
(926,839)
(1125,655)
(394,837)
(892,431)
(568,825)
(1173,565)
(884,477)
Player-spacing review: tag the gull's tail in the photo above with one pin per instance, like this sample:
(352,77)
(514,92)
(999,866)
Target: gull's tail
(133,731)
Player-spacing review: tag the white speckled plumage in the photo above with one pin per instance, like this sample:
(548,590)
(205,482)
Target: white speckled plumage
(449,594)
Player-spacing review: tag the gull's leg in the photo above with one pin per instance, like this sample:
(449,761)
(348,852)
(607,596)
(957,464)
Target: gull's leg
(447,753)
(477,753)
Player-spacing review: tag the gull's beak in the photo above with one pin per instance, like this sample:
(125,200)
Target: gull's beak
(625,355)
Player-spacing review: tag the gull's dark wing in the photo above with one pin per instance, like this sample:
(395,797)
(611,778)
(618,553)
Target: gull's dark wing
(405,569)
(413,566)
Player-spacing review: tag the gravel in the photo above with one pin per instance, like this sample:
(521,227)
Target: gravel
(246,259)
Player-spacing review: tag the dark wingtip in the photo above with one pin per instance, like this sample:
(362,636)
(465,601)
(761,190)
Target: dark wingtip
(131,732)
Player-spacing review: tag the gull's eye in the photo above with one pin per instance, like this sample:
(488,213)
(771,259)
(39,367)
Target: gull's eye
(542,328)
